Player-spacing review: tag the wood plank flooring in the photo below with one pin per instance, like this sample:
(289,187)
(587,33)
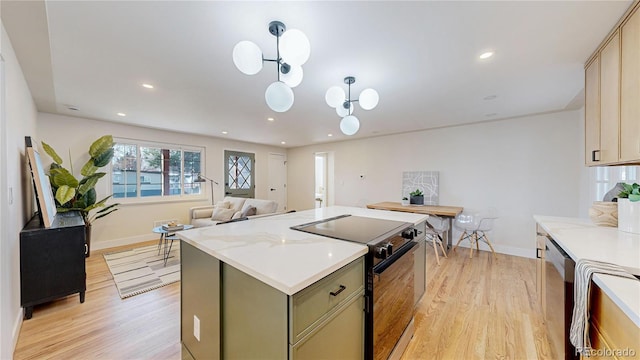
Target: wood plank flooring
(478,308)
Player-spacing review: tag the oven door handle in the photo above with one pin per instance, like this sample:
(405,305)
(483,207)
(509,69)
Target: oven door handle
(381,267)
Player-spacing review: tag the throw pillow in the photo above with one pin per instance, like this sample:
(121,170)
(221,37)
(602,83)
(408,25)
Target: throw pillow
(220,214)
(248,211)
(222,204)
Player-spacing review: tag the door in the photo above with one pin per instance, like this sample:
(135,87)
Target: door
(239,174)
(278,180)
(321,166)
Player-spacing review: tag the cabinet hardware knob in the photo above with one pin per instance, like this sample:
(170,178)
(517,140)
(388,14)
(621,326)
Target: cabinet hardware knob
(342,287)
(593,155)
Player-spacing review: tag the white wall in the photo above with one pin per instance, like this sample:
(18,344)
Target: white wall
(525,166)
(133,222)
(20,116)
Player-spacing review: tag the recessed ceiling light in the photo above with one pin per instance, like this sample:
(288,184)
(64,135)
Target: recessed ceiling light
(148,86)
(121,114)
(225,133)
(270,119)
(490,97)
(486,55)
(282,142)
(329,135)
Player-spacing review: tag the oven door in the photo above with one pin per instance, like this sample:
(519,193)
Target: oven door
(393,293)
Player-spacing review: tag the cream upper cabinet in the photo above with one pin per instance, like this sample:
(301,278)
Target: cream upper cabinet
(592,112)
(612,97)
(609,100)
(630,90)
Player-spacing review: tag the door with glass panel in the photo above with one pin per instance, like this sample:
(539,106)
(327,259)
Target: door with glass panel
(239,174)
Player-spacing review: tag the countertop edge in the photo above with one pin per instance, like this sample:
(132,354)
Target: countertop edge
(288,290)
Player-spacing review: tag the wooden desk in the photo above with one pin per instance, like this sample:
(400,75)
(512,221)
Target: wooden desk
(449,212)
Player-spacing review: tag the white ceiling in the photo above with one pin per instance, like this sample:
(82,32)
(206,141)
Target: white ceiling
(421,57)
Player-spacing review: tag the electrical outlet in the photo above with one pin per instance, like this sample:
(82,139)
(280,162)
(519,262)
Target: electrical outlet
(196,327)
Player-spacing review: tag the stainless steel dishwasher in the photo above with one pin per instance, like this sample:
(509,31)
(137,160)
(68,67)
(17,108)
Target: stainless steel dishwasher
(559,275)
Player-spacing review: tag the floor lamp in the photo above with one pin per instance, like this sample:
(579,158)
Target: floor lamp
(202,179)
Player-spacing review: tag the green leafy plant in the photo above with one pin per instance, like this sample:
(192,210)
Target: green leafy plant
(632,192)
(417,192)
(72,194)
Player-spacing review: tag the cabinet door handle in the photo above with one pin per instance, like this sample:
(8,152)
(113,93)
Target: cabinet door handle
(335,293)
(538,256)
(86,249)
(593,155)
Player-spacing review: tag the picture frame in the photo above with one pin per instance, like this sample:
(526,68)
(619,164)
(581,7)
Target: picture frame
(42,188)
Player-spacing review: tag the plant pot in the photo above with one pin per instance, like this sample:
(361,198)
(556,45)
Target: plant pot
(629,216)
(417,200)
(405,202)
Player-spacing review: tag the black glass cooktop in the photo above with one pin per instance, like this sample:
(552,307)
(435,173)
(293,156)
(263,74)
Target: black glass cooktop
(353,228)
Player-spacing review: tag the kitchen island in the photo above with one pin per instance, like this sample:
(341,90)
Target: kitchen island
(249,287)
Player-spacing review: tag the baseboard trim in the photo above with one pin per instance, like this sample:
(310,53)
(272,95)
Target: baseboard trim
(17,325)
(120,242)
(504,249)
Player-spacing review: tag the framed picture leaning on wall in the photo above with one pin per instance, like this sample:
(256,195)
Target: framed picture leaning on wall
(44,195)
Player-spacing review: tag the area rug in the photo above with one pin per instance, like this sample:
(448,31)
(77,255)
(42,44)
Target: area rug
(139,270)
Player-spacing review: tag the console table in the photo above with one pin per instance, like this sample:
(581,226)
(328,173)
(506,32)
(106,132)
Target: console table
(52,260)
(448,212)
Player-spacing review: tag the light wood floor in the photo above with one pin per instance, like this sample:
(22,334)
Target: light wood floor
(478,308)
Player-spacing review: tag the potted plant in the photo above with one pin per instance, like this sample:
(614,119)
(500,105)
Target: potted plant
(72,194)
(405,201)
(417,197)
(629,208)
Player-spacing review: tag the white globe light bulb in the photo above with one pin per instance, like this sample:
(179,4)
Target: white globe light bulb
(349,125)
(247,57)
(341,111)
(368,99)
(295,48)
(335,96)
(294,77)
(279,97)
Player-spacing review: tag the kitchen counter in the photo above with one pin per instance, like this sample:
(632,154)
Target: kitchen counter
(287,260)
(581,239)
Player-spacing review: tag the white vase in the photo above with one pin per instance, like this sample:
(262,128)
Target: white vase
(629,216)
(405,202)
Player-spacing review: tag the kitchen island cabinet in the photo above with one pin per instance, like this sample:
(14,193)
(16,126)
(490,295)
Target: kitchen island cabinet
(281,293)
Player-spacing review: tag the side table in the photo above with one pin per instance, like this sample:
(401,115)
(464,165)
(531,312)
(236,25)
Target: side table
(166,240)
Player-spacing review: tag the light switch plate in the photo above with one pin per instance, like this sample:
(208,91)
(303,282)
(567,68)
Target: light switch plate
(196,327)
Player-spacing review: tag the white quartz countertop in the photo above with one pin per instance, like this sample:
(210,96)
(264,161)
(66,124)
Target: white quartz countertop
(581,239)
(288,260)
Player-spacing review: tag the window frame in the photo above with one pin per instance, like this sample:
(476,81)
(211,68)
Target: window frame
(139,199)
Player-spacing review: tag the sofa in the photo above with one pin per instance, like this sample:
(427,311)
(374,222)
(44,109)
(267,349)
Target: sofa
(229,209)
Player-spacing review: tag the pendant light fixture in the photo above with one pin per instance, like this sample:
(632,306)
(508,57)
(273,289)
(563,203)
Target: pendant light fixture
(336,98)
(292,50)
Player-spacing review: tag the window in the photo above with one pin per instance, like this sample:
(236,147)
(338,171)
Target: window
(143,170)
(606,177)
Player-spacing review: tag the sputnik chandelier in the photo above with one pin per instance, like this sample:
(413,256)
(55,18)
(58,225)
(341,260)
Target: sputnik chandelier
(292,50)
(336,98)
